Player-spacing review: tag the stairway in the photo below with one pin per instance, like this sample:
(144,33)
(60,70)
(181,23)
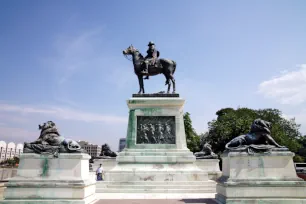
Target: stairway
(156,187)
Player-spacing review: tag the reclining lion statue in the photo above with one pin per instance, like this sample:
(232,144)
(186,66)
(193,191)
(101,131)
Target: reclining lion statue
(50,142)
(258,139)
(206,153)
(107,152)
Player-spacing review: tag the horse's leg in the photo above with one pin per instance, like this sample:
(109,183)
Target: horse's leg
(169,87)
(173,83)
(142,86)
(167,82)
(139,81)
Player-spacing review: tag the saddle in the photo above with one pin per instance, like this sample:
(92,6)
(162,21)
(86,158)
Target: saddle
(155,68)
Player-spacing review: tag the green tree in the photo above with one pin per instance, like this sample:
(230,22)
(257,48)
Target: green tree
(11,162)
(203,138)
(193,139)
(16,160)
(302,150)
(231,123)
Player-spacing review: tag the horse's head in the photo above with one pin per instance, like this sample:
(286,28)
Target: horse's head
(130,50)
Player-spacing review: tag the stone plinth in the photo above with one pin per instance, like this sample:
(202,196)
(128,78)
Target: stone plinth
(260,178)
(45,179)
(211,166)
(156,158)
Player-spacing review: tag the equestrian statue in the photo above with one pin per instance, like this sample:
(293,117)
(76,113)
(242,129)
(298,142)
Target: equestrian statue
(151,65)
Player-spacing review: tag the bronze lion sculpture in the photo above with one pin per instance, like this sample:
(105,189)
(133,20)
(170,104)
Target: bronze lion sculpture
(206,153)
(106,151)
(258,139)
(50,142)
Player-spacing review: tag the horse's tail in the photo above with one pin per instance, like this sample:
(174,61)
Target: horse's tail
(174,66)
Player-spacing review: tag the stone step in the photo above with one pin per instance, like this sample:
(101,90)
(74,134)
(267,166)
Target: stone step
(158,186)
(148,190)
(165,159)
(156,183)
(154,150)
(156,154)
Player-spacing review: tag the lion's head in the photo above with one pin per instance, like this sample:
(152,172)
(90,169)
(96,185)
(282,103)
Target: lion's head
(49,133)
(105,147)
(46,125)
(260,125)
(106,151)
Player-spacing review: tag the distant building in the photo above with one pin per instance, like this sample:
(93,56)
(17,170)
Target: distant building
(10,150)
(92,149)
(122,143)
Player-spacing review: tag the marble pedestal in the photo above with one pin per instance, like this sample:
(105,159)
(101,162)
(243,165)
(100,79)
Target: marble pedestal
(44,179)
(156,167)
(211,166)
(260,178)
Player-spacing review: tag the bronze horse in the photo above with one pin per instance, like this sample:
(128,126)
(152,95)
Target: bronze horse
(164,66)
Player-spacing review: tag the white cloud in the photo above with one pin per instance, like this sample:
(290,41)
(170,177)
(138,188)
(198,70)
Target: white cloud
(288,88)
(62,113)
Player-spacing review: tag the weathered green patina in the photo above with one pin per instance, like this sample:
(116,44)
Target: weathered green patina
(45,167)
(261,166)
(130,141)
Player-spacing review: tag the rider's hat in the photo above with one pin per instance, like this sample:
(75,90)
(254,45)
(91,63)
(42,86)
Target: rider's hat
(151,43)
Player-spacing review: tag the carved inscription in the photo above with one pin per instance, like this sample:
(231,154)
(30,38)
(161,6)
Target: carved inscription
(155,130)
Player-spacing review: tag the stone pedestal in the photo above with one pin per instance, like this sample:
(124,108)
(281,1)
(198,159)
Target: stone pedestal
(211,166)
(156,158)
(260,178)
(44,179)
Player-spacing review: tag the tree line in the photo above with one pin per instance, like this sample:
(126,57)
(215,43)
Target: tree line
(231,123)
(11,162)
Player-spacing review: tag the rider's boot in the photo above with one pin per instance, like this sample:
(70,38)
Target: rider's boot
(147,77)
(145,71)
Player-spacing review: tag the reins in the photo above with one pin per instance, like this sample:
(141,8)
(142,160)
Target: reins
(126,56)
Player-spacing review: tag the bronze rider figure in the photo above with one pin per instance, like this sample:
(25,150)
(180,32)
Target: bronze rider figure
(151,58)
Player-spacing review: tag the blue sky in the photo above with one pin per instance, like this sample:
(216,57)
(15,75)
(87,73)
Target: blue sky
(62,61)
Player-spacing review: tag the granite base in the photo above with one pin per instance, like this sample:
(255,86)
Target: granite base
(260,178)
(156,166)
(211,166)
(45,179)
